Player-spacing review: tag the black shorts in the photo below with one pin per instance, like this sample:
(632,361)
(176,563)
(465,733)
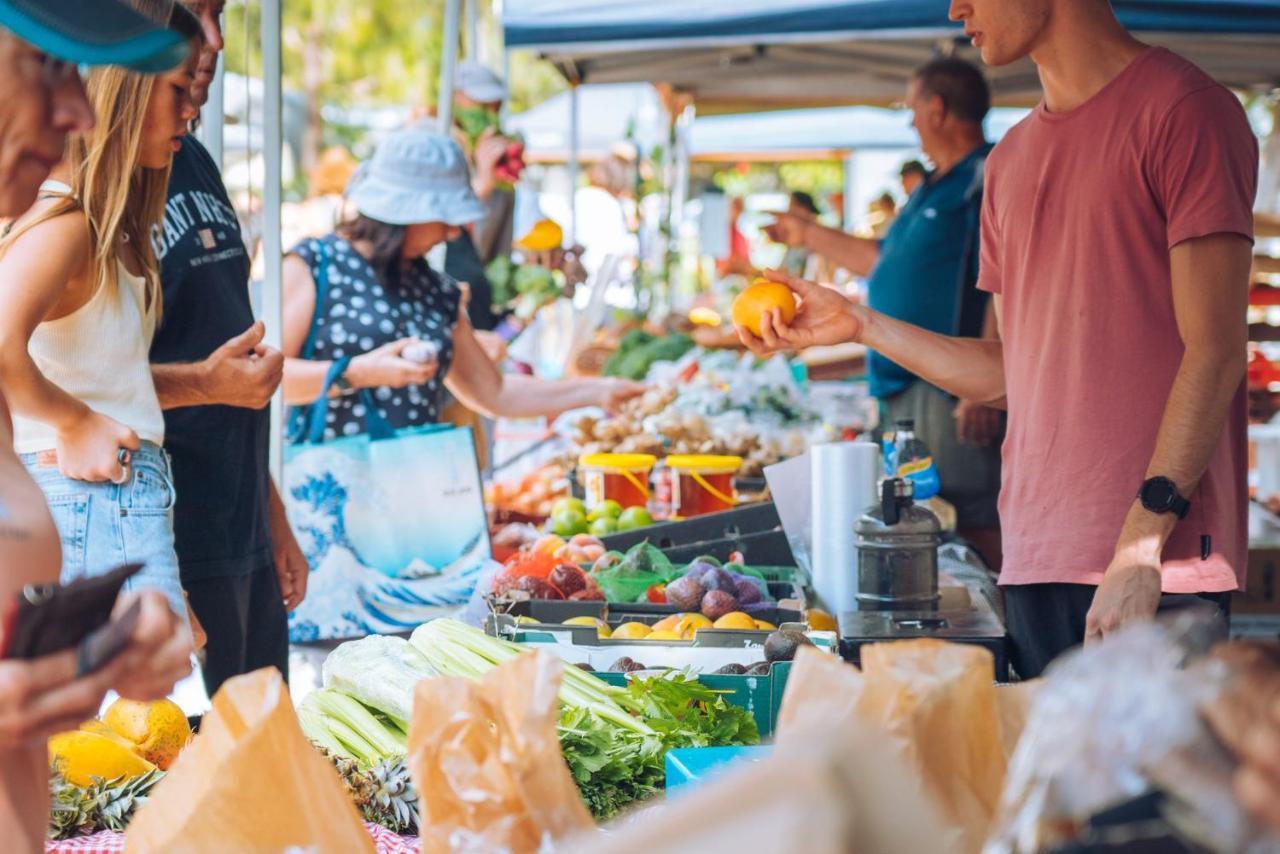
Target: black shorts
(245,620)
(1046,620)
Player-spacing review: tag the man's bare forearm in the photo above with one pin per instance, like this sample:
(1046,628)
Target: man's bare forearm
(179,385)
(969,368)
(856,254)
(1194,415)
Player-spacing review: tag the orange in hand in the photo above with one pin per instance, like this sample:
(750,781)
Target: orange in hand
(762,295)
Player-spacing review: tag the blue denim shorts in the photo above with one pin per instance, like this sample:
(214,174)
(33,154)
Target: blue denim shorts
(106,525)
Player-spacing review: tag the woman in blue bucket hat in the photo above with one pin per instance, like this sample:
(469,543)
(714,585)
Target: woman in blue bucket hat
(367,293)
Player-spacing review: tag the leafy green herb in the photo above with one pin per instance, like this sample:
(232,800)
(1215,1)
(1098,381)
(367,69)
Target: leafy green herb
(686,713)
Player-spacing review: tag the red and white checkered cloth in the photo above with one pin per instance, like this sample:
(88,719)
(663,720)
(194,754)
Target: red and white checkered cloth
(109,842)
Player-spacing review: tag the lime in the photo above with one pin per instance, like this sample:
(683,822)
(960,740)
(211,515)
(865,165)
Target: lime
(568,504)
(607,509)
(604,526)
(568,523)
(634,517)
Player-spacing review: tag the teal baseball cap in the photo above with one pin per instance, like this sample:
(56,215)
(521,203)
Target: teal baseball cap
(94,32)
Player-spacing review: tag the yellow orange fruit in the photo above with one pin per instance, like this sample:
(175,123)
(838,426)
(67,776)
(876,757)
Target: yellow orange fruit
(158,730)
(765,625)
(819,620)
(668,624)
(545,235)
(81,756)
(761,296)
(736,620)
(664,635)
(690,623)
(549,544)
(632,631)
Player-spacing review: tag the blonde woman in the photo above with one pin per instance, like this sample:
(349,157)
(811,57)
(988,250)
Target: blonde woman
(82,298)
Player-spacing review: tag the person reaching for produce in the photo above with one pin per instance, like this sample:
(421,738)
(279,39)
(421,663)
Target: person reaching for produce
(42,102)
(1120,284)
(367,293)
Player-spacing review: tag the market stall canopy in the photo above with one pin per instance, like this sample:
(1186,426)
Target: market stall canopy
(761,54)
(618,111)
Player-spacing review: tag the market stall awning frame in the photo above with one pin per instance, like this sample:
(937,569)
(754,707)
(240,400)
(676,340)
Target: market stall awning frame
(751,56)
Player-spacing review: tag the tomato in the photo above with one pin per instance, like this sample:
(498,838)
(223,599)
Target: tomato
(658,594)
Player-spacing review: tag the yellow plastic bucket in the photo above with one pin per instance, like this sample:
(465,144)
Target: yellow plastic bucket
(702,483)
(623,478)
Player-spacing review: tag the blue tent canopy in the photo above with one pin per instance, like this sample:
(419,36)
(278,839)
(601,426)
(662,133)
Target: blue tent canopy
(544,24)
(766,54)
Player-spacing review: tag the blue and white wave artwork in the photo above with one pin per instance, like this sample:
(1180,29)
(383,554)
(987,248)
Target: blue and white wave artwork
(386,553)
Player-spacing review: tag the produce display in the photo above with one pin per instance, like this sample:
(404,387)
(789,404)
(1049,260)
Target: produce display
(101,773)
(639,350)
(534,495)
(725,411)
(525,288)
(613,738)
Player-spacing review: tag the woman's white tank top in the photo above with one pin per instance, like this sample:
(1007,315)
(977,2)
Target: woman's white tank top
(99,354)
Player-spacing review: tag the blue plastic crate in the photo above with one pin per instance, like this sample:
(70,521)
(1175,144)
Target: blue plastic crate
(690,765)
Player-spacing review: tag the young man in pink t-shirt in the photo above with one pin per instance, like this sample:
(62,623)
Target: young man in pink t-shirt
(1116,237)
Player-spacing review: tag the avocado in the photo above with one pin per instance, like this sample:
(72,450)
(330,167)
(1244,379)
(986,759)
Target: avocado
(782,645)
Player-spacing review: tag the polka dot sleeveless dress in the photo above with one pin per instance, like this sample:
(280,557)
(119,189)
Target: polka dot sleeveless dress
(360,314)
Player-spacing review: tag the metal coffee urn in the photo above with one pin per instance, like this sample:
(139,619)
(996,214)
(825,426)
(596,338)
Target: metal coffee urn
(897,552)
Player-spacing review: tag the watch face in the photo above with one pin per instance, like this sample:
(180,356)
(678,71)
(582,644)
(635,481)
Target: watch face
(1158,494)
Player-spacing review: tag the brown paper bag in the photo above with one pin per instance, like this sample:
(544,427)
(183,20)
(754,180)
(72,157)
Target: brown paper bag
(937,701)
(249,782)
(486,757)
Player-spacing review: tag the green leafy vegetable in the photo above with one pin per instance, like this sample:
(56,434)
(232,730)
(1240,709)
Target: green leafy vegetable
(686,713)
(639,350)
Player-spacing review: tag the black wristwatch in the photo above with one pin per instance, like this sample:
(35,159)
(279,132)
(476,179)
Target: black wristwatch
(344,385)
(1160,495)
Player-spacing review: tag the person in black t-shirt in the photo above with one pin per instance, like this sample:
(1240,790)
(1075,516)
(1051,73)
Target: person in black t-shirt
(240,564)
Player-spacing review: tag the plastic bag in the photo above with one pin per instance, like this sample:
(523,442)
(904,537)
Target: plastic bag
(629,580)
(486,756)
(251,782)
(379,671)
(1120,723)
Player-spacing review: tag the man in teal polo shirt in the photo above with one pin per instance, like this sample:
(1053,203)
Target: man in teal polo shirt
(925,272)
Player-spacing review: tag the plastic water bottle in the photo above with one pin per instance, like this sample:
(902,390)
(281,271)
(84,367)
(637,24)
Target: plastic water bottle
(914,461)
(890,453)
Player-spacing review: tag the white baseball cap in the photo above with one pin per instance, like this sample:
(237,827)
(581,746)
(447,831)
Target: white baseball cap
(478,82)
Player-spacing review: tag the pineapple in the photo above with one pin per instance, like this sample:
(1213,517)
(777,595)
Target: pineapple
(116,800)
(394,802)
(384,794)
(103,805)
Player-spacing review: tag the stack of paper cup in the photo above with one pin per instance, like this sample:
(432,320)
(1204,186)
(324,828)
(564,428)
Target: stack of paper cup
(844,477)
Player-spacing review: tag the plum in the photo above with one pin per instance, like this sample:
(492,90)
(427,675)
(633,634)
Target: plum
(722,580)
(567,579)
(732,670)
(717,603)
(700,567)
(760,668)
(685,593)
(749,592)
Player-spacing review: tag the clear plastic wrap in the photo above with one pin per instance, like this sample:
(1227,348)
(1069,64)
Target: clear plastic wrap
(1118,727)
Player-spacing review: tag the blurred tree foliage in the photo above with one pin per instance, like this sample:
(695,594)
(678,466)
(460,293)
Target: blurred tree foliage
(369,53)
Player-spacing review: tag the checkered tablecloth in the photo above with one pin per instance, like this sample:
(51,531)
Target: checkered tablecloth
(108,842)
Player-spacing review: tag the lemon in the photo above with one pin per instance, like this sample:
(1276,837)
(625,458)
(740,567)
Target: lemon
(765,626)
(158,730)
(819,620)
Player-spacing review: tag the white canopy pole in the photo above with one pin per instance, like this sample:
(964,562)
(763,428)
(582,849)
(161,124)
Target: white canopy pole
(575,155)
(213,116)
(448,62)
(473,30)
(850,211)
(273,257)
